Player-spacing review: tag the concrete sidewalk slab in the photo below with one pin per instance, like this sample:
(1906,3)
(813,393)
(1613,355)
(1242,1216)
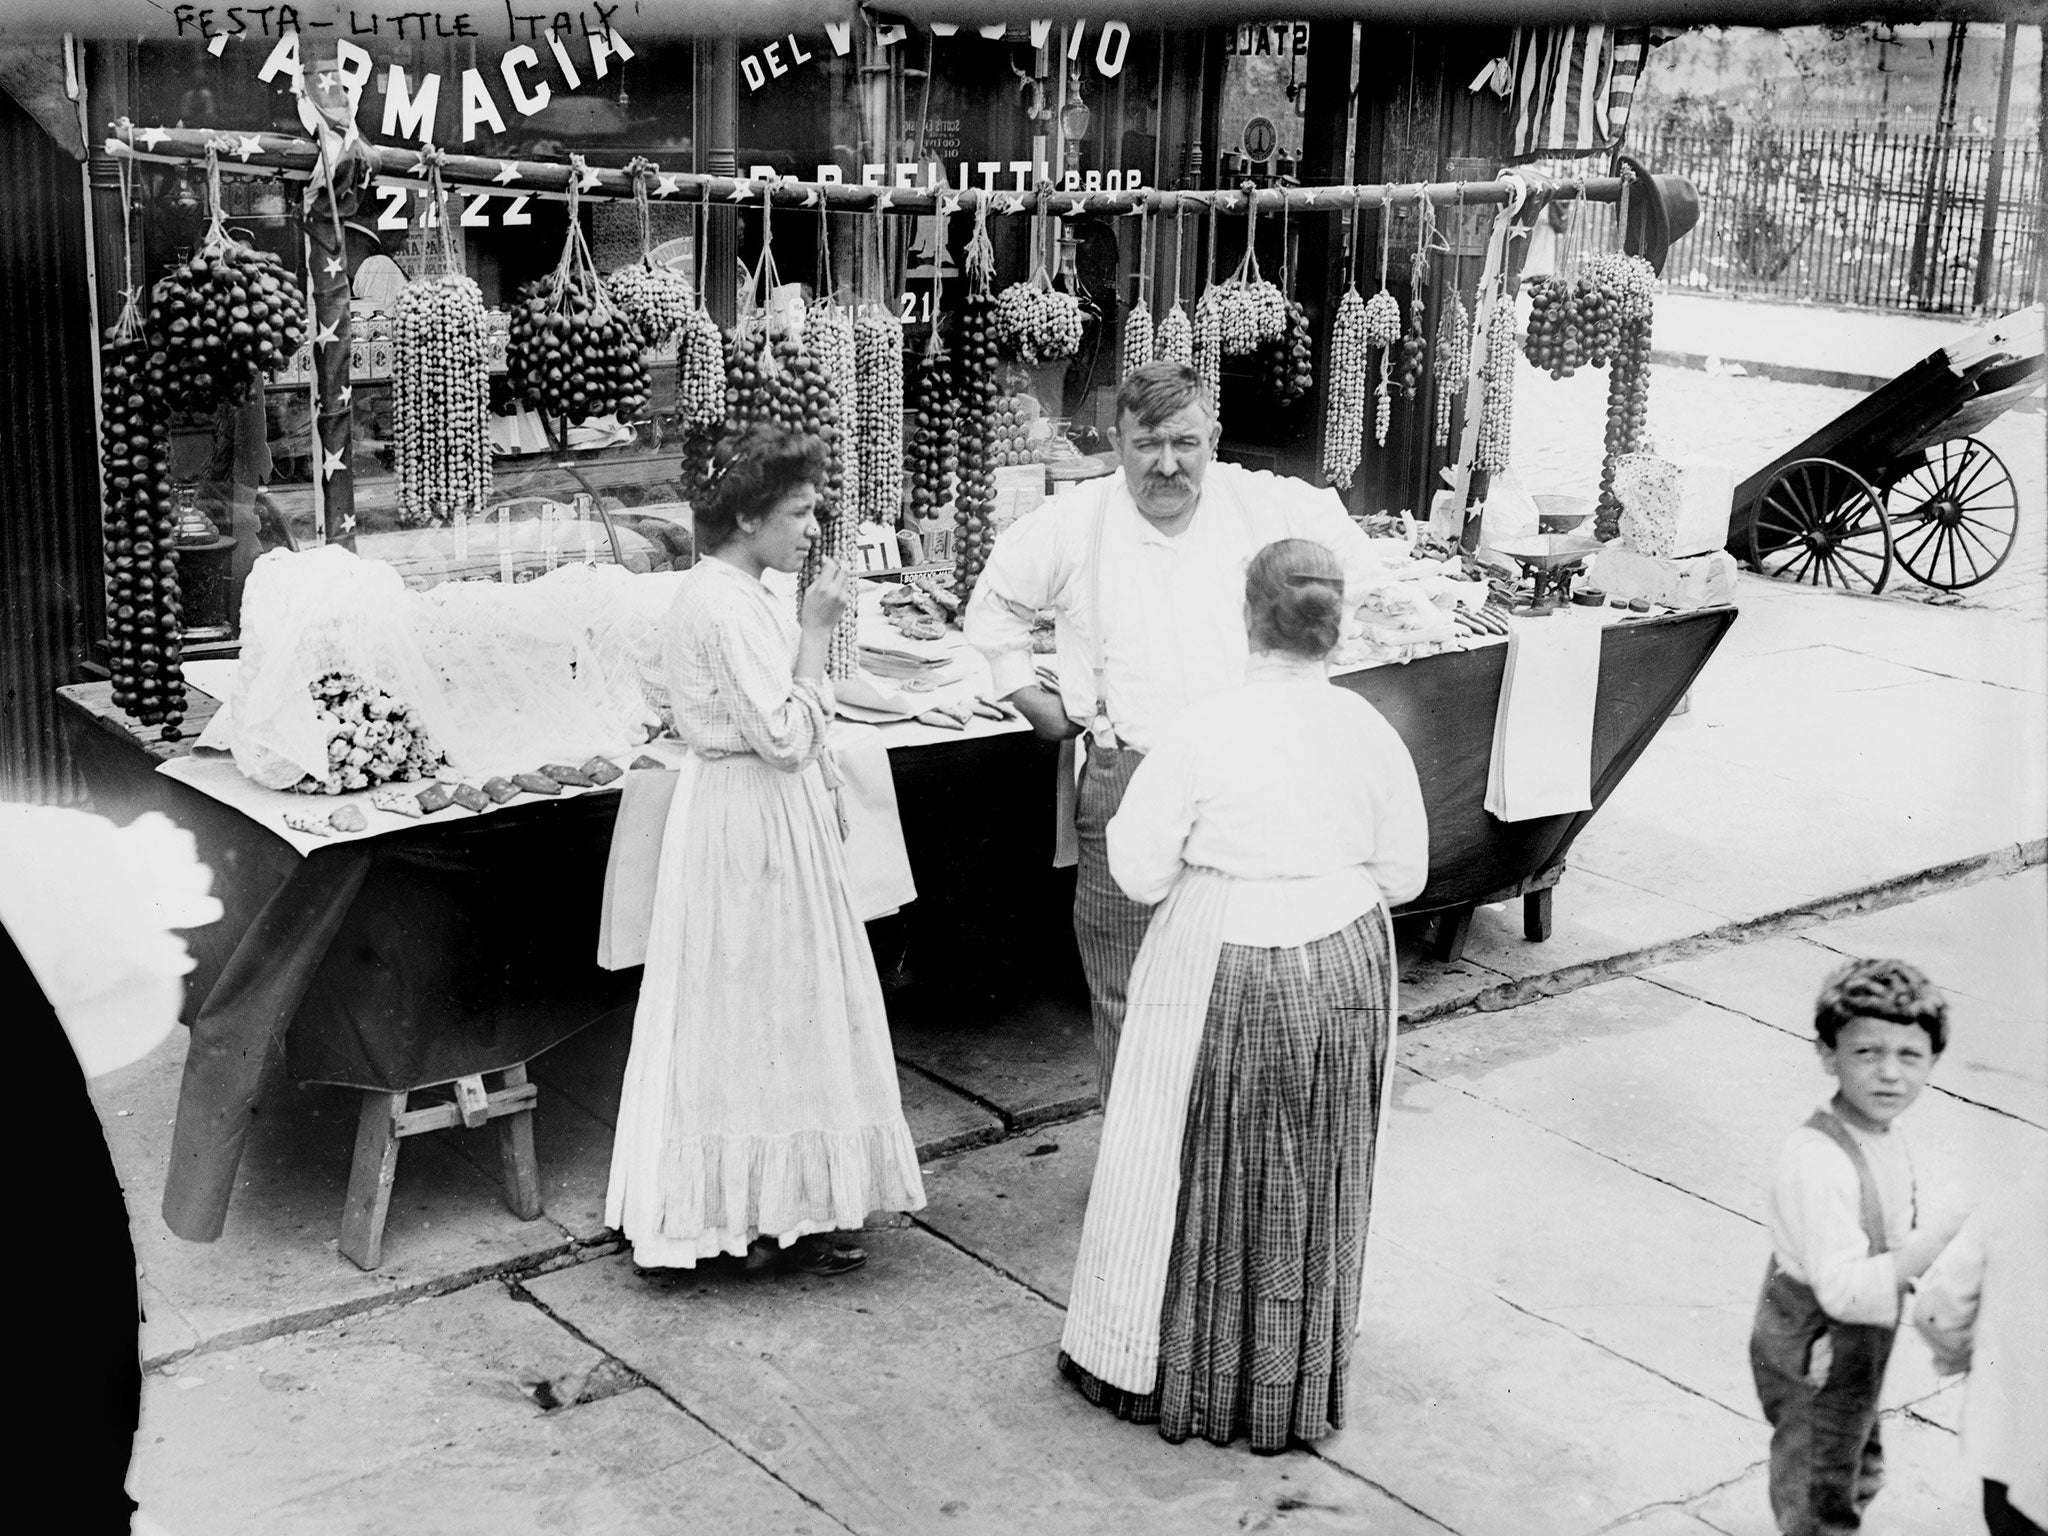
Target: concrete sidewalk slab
(920,1395)
(1498,1423)
(1017,1207)
(1859,343)
(1638,1267)
(431,1417)
(276,1266)
(1927,1491)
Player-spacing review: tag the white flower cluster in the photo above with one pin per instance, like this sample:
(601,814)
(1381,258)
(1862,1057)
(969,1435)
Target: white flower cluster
(371,737)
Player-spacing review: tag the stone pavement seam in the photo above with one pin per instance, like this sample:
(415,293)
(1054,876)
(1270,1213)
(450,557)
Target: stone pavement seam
(1386,1493)
(1685,1505)
(520,1266)
(990,1265)
(521,1293)
(1897,890)
(1572,1141)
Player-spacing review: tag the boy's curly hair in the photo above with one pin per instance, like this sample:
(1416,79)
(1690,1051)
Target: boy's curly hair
(1880,989)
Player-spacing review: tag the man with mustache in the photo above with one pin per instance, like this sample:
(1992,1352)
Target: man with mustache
(1144,575)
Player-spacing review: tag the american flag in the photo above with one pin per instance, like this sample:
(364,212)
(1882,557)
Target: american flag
(1572,87)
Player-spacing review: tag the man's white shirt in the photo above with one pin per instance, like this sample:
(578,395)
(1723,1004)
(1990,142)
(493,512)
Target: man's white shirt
(1172,608)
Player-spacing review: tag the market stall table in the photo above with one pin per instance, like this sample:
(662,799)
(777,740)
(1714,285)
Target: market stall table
(452,949)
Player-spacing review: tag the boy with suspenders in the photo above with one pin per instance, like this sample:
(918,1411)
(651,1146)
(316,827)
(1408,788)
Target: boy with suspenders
(1846,1246)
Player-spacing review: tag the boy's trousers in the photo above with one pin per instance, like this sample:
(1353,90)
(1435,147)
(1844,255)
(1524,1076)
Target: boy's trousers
(1819,1381)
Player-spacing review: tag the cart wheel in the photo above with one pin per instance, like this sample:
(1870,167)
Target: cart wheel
(1955,516)
(1820,523)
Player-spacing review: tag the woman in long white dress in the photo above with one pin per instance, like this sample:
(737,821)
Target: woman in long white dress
(760,1109)
(1217,1288)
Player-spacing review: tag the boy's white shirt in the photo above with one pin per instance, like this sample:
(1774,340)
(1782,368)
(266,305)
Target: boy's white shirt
(1817,1227)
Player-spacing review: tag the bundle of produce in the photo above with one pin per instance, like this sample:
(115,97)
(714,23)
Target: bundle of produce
(1208,359)
(1628,284)
(1237,317)
(572,353)
(700,372)
(657,300)
(1175,340)
(440,390)
(878,413)
(1557,320)
(1138,340)
(975,496)
(1382,334)
(372,738)
(830,341)
(1010,426)
(1497,423)
(1453,360)
(1037,323)
(1413,353)
(140,526)
(228,315)
(1252,310)
(1344,395)
(935,434)
(1288,365)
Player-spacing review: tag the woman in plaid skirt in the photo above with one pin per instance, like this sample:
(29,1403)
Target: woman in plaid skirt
(1217,1288)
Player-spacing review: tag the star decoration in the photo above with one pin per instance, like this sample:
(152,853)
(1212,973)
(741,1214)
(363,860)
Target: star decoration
(507,173)
(419,166)
(245,146)
(151,137)
(665,185)
(949,204)
(335,266)
(1010,202)
(886,200)
(326,336)
(348,393)
(327,79)
(740,192)
(348,523)
(589,181)
(810,197)
(332,464)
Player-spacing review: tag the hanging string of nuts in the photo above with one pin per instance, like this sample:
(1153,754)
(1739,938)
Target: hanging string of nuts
(829,339)
(1383,331)
(1036,322)
(656,300)
(139,519)
(1288,362)
(935,440)
(440,386)
(1344,391)
(1497,424)
(1453,360)
(878,413)
(1208,359)
(974,496)
(571,353)
(700,364)
(230,314)
(1632,280)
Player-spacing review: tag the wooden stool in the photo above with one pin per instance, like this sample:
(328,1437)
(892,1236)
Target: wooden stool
(385,1121)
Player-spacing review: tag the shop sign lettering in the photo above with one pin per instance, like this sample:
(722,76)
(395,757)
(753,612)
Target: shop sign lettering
(1279,37)
(775,60)
(1023,176)
(411,111)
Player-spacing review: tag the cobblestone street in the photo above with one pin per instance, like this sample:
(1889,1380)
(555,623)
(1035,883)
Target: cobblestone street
(1748,421)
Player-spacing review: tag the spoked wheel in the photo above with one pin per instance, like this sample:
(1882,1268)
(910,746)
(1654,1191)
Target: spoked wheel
(1820,523)
(1955,516)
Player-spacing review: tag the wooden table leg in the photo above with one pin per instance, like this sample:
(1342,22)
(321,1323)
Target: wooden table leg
(516,1162)
(369,1180)
(1536,915)
(1452,927)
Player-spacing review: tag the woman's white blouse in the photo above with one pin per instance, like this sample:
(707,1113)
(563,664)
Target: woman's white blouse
(1296,788)
(729,656)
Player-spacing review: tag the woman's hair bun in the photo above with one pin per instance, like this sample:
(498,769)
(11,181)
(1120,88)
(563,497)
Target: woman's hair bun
(1294,590)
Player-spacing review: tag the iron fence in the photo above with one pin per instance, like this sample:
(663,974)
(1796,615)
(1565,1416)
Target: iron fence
(1938,222)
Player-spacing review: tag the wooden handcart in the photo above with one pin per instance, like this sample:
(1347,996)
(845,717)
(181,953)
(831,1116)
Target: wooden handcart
(1899,478)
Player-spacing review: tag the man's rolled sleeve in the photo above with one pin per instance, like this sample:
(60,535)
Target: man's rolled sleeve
(1020,579)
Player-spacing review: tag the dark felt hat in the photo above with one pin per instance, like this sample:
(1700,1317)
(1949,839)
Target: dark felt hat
(1661,211)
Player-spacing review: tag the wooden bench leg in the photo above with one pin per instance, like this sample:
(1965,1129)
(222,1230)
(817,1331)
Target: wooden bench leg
(516,1162)
(1536,915)
(1452,928)
(369,1180)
